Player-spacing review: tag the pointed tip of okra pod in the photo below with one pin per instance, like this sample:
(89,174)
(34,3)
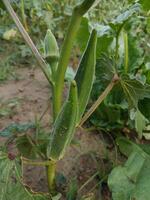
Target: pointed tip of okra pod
(73,83)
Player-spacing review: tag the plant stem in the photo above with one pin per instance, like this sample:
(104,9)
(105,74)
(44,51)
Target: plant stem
(28,40)
(23,15)
(51,171)
(117,48)
(126,53)
(88,181)
(64,60)
(34,163)
(74,25)
(115,79)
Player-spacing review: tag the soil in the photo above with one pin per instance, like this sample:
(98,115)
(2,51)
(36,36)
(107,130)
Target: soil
(84,158)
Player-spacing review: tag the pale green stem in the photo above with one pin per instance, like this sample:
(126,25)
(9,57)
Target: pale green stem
(34,163)
(100,99)
(126,52)
(117,49)
(23,15)
(64,60)
(51,172)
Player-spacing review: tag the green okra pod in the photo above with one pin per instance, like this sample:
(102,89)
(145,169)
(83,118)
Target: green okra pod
(85,74)
(51,50)
(64,126)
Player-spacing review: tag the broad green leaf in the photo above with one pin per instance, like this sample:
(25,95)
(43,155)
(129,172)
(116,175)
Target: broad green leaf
(83,34)
(29,150)
(104,36)
(134,90)
(135,53)
(103,44)
(26,149)
(132,180)
(70,74)
(126,146)
(15,128)
(11,186)
(105,69)
(144,107)
(121,19)
(119,184)
(140,123)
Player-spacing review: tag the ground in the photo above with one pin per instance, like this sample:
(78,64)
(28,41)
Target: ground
(28,97)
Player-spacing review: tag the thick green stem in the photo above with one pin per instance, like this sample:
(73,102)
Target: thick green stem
(64,59)
(51,171)
(76,18)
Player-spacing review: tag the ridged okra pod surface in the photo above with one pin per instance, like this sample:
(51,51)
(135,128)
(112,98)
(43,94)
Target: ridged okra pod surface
(85,74)
(64,126)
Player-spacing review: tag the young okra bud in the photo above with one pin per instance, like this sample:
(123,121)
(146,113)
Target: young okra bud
(51,50)
(85,74)
(64,126)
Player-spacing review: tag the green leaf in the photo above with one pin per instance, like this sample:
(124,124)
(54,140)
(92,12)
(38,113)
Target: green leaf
(132,180)
(103,44)
(134,90)
(83,34)
(70,74)
(57,197)
(72,193)
(140,123)
(145,4)
(126,146)
(11,185)
(2,5)
(121,19)
(15,128)
(105,69)
(25,147)
(104,36)
(144,107)
(135,53)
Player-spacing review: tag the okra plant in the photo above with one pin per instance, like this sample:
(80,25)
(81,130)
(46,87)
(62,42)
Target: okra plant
(54,63)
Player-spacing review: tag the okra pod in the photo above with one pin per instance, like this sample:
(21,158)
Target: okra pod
(51,50)
(85,74)
(64,126)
